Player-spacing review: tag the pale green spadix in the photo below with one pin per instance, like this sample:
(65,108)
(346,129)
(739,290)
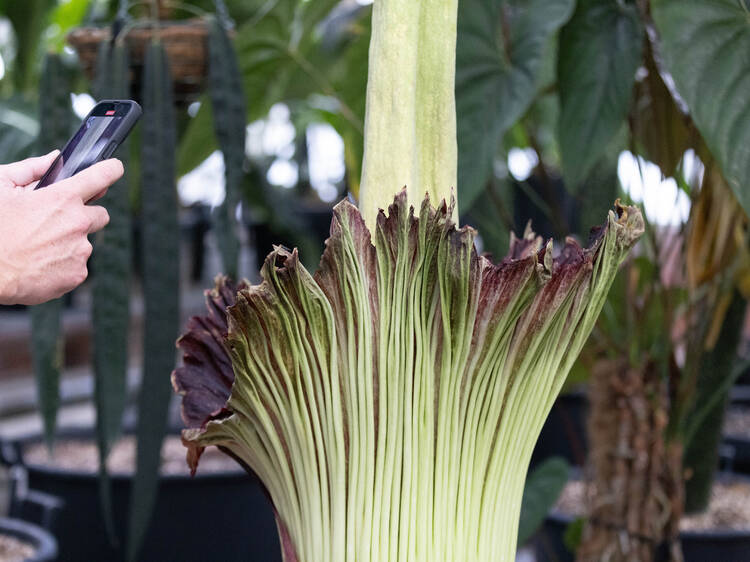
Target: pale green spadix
(390,402)
(410,122)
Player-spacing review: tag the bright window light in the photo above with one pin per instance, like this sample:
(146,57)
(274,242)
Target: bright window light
(326,160)
(283,173)
(205,183)
(521,162)
(663,201)
(82,104)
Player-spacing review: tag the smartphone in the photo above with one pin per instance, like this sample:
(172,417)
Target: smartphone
(101,132)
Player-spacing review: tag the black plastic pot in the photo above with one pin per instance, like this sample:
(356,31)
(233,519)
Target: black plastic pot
(564,432)
(45,545)
(704,546)
(735,455)
(217,516)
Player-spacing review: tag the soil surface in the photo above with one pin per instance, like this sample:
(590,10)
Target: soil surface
(14,550)
(729,507)
(83,456)
(737,422)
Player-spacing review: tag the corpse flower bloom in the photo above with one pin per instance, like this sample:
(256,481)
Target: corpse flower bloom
(390,402)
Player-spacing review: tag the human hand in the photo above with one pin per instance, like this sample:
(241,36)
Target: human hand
(43,233)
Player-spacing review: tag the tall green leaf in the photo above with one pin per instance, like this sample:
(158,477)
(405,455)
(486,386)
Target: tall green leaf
(29,19)
(705,46)
(160,285)
(47,343)
(600,50)
(230,120)
(111,291)
(543,487)
(499,53)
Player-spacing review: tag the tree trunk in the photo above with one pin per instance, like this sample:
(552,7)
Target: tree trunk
(635,492)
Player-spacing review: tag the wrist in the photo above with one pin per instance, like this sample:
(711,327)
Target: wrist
(8,286)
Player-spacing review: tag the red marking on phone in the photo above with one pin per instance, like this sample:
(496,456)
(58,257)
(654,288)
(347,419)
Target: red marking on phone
(110,112)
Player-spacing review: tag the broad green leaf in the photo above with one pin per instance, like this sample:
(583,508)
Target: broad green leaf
(161,285)
(600,50)
(543,487)
(705,45)
(499,55)
(279,56)
(390,403)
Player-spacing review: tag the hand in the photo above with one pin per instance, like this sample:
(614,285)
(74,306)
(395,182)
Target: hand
(43,234)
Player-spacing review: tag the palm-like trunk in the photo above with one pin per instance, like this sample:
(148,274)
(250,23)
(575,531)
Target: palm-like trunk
(635,489)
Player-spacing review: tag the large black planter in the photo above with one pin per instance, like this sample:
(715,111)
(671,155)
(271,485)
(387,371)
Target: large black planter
(217,516)
(564,432)
(45,545)
(706,546)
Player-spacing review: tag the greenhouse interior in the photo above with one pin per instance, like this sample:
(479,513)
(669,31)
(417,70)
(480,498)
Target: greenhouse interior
(375,280)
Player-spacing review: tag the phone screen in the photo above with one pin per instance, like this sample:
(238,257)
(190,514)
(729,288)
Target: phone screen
(84,149)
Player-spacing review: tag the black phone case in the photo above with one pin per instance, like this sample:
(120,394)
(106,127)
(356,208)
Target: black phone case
(130,119)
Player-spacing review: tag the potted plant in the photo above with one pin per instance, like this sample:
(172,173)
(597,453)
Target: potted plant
(20,540)
(176,531)
(111,262)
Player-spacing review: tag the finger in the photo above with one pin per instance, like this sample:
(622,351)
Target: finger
(92,181)
(29,170)
(98,196)
(98,216)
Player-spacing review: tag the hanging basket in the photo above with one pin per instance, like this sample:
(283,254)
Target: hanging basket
(185,42)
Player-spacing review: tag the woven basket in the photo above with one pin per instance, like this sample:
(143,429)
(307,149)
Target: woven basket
(186,44)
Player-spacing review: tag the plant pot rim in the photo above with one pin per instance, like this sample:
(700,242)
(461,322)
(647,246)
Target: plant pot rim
(43,541)
(82,434)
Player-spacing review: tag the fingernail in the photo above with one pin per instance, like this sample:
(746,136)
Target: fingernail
(50,153)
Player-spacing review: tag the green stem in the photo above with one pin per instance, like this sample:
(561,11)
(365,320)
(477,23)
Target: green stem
(410,123)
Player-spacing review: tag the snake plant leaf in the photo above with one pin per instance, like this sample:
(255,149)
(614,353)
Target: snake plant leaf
(111,287)
(600,50)
(499,55)
(390,402)
(161,281)
(705,47)
(228,105)
(111,262)
(55,119)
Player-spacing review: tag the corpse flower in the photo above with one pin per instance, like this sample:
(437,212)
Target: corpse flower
(390,402)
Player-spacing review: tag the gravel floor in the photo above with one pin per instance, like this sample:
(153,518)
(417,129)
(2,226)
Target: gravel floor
(14,550)
(737,422)
(729,507)
(83,456)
